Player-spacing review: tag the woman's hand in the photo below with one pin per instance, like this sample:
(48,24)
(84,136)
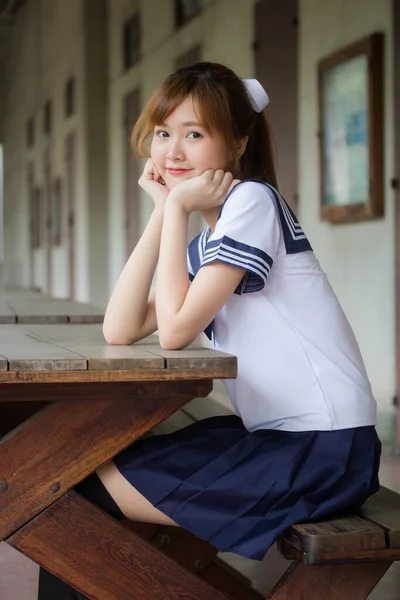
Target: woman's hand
(153,185)
(204,191)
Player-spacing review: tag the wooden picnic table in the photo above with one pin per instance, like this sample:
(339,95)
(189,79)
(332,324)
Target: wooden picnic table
(99,399)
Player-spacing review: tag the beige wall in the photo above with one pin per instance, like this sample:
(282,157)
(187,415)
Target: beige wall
(359,258)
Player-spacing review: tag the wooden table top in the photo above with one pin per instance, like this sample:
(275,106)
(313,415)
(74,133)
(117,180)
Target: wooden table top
(79,353)
(30,306)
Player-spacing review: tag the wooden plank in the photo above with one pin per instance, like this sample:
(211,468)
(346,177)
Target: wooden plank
(3,363)
(68,392)
(40,356)
(39,310)
(328,582)
(336,536)
(42,309)
(188,550)
(7,315)
(119,562)
(12,334)
(193,357)
(149,340)
(217,371)
(103,356)
(81,312)
(88,341)
(384,508)
(291,551)
(107,357)
(69,439)
(89,335)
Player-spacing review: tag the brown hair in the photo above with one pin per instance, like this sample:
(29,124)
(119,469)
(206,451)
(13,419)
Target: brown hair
(224,107)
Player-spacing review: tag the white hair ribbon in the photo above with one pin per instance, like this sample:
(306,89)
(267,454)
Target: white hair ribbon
(257,95)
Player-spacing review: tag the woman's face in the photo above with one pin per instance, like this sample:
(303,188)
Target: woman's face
(181,148)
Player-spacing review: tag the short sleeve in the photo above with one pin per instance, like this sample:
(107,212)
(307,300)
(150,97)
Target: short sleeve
(189,266)
(247,234)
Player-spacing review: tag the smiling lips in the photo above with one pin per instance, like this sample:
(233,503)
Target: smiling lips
(178,171)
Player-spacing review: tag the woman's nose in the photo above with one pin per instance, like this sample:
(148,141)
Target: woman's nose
(175,151)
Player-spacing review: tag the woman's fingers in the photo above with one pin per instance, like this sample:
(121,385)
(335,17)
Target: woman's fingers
(208,175)
(219,176)
(226,181)
(232,185)
(150,172)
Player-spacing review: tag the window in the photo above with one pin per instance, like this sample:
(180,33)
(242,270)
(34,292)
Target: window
(132,42)
(70,97)
(36,218)
(56,214)
(30,133)
(186,10)
(47,118)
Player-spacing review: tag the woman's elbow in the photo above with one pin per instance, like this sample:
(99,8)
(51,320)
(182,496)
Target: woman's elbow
(173,340)
(117,338)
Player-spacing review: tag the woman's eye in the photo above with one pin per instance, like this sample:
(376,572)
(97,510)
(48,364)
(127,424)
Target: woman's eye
(161,133)
(194,135)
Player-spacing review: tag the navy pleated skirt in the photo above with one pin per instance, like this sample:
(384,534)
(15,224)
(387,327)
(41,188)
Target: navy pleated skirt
(241,490)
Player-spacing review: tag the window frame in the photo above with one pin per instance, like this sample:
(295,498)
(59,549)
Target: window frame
(30,132)
(47,118)
(70,97)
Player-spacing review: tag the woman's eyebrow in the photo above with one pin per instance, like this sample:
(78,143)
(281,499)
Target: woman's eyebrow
(192,123)
(185,124)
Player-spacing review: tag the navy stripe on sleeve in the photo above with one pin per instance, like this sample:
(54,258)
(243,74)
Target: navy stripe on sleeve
(256,262)
(239,255)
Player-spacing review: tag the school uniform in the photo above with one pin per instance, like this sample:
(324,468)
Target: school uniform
(303,444)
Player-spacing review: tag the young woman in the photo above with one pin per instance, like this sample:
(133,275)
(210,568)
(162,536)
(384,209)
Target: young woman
(303,444)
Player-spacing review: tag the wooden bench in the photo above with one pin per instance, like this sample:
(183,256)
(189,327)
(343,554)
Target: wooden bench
(337,559)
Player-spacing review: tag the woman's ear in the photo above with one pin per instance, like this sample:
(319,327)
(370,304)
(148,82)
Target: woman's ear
(241,146)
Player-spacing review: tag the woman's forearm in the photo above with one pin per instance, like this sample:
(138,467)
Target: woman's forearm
(172,275)
(127,307)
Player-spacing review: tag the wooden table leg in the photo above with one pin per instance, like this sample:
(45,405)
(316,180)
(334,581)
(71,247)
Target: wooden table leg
(58,447)
(329,582)
(102,559)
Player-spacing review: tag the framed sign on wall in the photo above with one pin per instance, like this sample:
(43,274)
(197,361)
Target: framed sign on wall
(350,90)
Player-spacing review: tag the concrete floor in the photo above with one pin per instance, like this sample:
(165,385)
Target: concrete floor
(18,575)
